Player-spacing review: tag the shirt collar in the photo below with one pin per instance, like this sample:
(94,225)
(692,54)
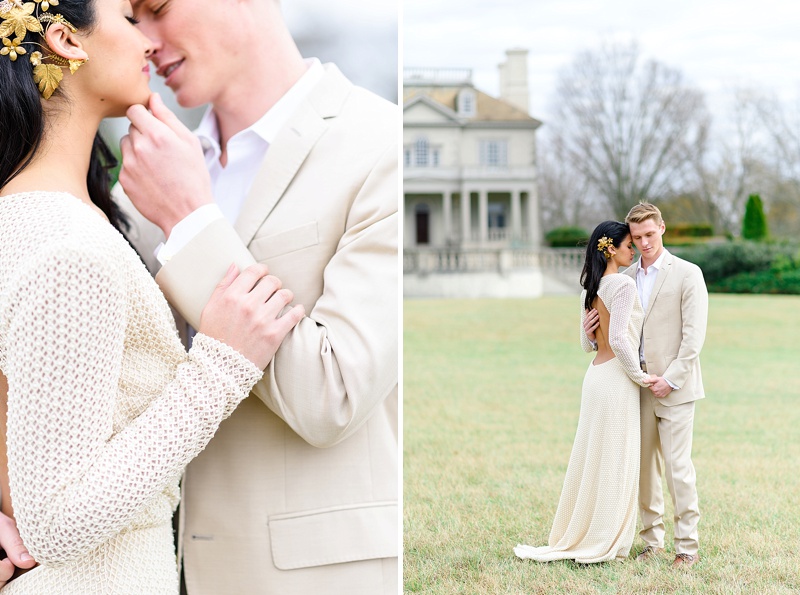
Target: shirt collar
(656,265)
(272,121)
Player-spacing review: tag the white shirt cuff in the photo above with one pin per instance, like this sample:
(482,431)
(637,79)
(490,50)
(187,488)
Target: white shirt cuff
(186,230)
(674,387)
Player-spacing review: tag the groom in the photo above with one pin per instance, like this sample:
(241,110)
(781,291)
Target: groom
(675,301)
(295,167)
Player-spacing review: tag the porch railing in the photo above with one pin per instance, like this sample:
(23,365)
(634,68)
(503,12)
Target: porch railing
(462,260)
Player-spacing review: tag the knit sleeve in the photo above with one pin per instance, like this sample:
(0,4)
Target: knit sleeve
(585,343)
(619,338)
(75,483)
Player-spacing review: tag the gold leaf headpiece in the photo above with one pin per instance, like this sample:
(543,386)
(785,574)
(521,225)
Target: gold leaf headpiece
(603,245)
(18,19)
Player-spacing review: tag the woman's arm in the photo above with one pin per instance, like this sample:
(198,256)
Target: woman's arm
(621,307)
(76,483)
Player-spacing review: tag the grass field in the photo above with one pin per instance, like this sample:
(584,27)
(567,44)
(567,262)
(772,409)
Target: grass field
(491,400)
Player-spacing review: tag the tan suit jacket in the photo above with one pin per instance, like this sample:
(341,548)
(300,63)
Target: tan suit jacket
(675,327)
(297,492)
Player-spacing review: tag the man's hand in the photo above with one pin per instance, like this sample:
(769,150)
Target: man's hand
(244,312)
(661,387)
(590,323)
(163,169)
(11,542)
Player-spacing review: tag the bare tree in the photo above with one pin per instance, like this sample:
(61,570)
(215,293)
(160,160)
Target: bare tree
(629,127)
(759,153)
(564,195)
(728,167)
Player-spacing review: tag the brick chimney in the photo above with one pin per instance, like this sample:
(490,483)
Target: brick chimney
(514,78)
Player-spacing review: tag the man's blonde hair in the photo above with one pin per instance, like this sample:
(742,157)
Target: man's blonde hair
(642,212)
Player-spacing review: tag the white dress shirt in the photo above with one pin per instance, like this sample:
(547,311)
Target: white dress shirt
(245,153)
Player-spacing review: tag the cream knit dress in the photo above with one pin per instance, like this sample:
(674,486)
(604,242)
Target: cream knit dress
(596,516)
(105,407)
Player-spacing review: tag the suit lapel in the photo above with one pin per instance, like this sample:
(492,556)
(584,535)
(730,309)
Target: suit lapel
(290,149)
(663,272)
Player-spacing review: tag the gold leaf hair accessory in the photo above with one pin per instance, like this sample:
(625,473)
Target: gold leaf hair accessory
(18,19)
(603,245)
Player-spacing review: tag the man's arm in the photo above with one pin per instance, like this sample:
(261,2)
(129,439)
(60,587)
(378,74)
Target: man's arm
(694,316)
(590,320)
(340,362)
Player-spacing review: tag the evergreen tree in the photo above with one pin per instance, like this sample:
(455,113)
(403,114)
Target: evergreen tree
(754,226)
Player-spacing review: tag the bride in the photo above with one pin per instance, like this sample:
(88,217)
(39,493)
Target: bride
(596,516)
(100,406)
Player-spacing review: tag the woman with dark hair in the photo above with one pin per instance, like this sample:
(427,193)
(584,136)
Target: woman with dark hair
(596,516)
(100,406)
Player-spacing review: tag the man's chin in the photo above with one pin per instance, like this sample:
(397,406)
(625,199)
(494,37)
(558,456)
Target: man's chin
(188,99)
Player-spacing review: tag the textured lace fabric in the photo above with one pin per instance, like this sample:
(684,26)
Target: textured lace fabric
(618,292)
(105,407)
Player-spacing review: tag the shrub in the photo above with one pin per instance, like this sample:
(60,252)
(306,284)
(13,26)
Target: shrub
(690,230)
(567,237)
(754,226)
(747,267)
(769,281)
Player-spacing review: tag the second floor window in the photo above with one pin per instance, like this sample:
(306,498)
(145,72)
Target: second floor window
(494,153)
(421,154)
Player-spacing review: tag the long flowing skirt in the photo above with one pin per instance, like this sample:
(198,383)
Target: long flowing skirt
(596,516)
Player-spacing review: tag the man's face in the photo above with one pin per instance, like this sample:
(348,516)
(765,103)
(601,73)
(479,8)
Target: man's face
(647,237)
(193,45)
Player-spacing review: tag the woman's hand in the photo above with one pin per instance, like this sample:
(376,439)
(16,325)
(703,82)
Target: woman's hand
(650,380)
(244,312)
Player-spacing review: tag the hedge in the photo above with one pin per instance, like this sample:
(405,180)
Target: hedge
(747,267)
(567,237)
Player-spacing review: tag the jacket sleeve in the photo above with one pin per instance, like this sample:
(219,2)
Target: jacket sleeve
(340,362)
(694,319)
(76,480)
(622,303)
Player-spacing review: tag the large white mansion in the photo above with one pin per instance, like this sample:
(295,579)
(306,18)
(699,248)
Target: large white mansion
(471,209)
(469,159)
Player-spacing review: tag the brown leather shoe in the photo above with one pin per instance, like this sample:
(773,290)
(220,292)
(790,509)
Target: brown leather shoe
(649,552)
(685,560)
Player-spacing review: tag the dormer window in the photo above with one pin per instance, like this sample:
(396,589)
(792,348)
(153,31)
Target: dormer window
(466,103)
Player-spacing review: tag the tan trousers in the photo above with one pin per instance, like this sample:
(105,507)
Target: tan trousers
(667,446)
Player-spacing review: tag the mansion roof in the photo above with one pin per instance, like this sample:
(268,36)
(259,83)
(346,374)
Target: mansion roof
(487,109)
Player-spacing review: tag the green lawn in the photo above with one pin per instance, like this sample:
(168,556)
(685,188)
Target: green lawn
(490,406)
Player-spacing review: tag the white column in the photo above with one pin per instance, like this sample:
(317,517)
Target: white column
(447,213)
(483,216)
(465,216)
(534,232)
(516,214)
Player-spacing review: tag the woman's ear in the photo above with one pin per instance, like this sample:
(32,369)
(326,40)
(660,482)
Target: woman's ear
(64,42)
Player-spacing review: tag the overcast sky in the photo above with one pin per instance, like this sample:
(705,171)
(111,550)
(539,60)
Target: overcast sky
(718,44)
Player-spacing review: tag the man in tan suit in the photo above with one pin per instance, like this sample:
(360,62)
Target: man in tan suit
(675,300)
(297,493)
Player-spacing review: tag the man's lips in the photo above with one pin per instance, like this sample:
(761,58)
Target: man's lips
(167,69)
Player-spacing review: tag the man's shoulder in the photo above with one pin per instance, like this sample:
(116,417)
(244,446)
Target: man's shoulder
(358,108)
(685,267)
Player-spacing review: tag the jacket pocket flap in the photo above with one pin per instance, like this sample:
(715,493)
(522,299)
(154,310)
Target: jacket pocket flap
(334,535)
(278,244)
